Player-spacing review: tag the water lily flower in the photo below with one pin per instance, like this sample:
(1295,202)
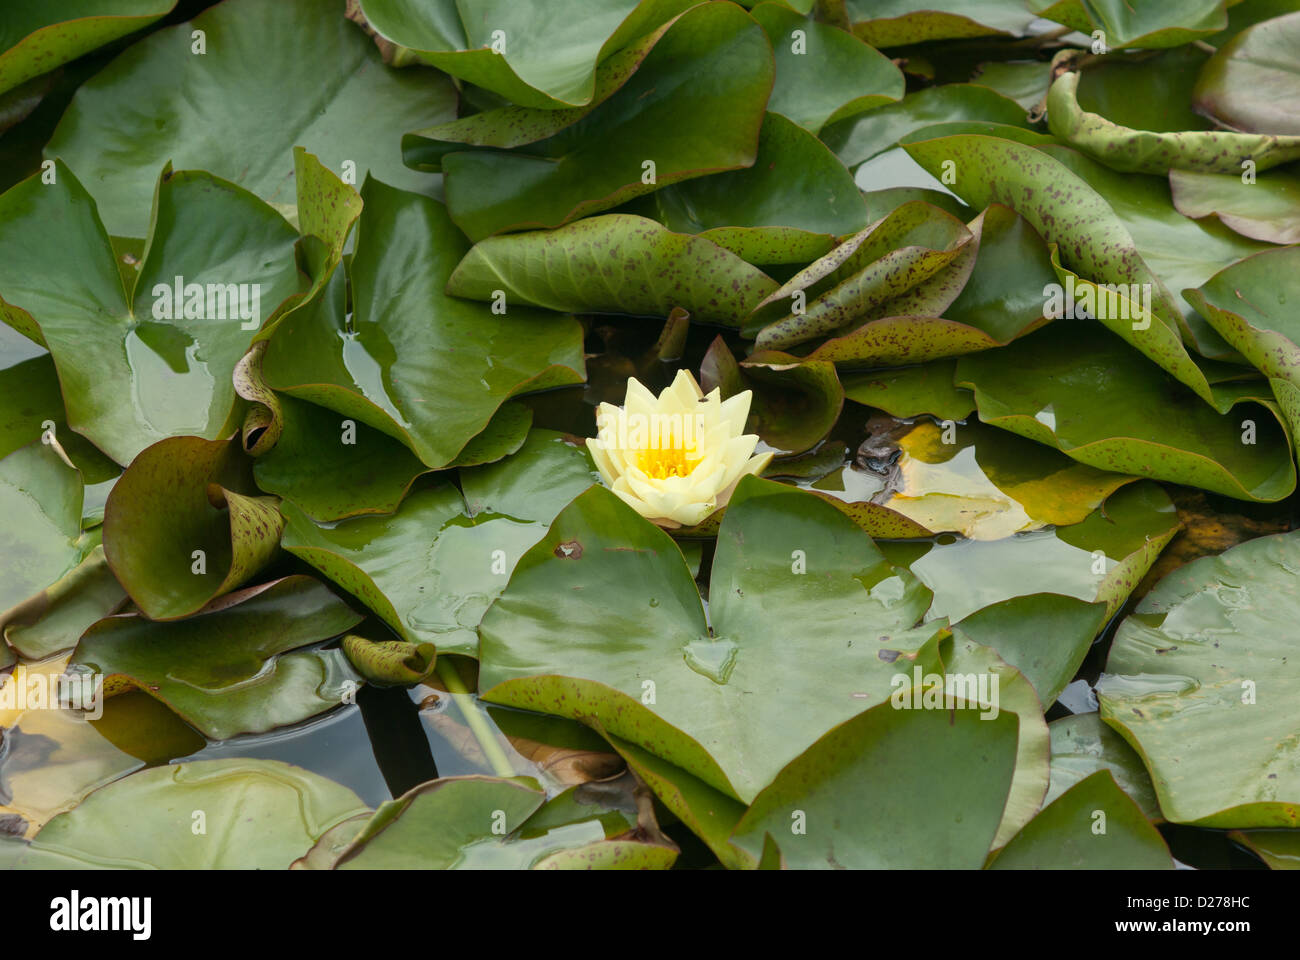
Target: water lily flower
(675,458)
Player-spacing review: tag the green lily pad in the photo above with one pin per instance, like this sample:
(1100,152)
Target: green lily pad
(1099,560)
(712,712)
(1201,681)
(1043,635)
(480,823)
(432,568)
(175,553)
(860,275)
(788,207)
(1247,304)
(893,23)
(240,669)
(134,374)
(1092,826)
(1145,91)
(255,815)
(37,38)
(1280,849)
(160,101)
(1025,82)
(545,61)
(1078,388)
(394,662)
(912,391)
(41,542)
(1082,745)
(1267,209)
(1145,151)
(858,138)
(823,74)
(1253,82)
(54,619)
(573,269)
(1146,26)
(889,788)
(459,362)
(1111,228)
(693,107)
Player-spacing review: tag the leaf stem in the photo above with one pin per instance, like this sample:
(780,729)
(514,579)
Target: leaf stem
(478,724)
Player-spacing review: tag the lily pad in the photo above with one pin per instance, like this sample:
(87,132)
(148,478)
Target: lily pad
(864,272)
(788,207)
(1280,849)
(1253,82)
(136,369)
(1201,679)
(41,542)
(858,138)
(1267,209)
(616,263)
(161,101)
(1076,387)
(889,789)
(912,391)
(1247,304)
(648,669)
(433,567)
(1147,25)
(1083,745)
(693,107)
(546,61)
(256,815)
(36,39)
(211,532)
(54,619)
(459,361)
(1092,826)
(241,669)
(893,23)
(823,74)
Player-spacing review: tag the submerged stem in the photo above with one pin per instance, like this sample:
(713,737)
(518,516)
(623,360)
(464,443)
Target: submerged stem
(469,709)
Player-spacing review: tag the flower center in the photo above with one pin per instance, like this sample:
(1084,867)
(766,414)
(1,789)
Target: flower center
(660,464)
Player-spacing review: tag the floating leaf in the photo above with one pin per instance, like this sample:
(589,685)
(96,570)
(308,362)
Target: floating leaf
(1070,835)
(1253,82)
(459,361)
(788,207)
(1266,209)
(1145,151)
(928,788)
(390,661)
(132,375)
(548,61)
(616,263)
(1280,849)
(433,567)
(258,814)
(863,136)
(175,553)
(54,619)
(823,74)
(912,391)
(693,107)
(1199,680)
(867,270)
(1078,388)
(704,682)
(894,23)
(36,39)
(1146,25)
(1083,745)
(158,101)
(1247,304)
(236,667)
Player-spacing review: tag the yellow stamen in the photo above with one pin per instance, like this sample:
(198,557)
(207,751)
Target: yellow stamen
(660,464)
